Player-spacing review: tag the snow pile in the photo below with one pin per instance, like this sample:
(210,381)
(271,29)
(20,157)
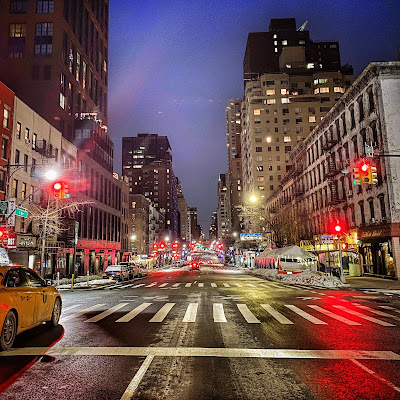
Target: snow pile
(307,278)
(94,282)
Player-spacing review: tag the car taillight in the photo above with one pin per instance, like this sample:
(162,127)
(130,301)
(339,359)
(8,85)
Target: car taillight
(104,274)
(118,273)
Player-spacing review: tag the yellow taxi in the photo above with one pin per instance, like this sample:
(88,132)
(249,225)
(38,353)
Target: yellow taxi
(26,300)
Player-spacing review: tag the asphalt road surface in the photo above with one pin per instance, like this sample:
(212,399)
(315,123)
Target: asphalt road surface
(210,334)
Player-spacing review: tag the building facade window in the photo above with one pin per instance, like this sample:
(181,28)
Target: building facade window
(6,118)
(4,148)
(45,7)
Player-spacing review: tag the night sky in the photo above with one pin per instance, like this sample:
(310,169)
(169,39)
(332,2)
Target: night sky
(174,64)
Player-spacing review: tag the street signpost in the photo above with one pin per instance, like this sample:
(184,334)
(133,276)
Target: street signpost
(21,212)
(11,215)
(3,207)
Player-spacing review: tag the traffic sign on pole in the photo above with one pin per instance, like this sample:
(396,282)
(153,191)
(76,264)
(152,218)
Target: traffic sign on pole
(20,212)
(11,207)
(3,207)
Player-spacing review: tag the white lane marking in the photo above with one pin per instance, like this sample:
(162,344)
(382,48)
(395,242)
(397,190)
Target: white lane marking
(162,313)
(372,319)
(276,314)
(305,315)
(335,316)
(191,313)
(132,314)
(106,313)
(265,286)
(70,307)
(201,284)
(188,285)
(226,285)
(377,376)
(390,308)
(136,286)
(163,284)
(276,285)
(247,314)
(238,285)
(175,284)
(152,284)
(383,314)
(213,284)
(251,285)
(133,385)
(218,313)
(125,286)
(79,313)
(204,352)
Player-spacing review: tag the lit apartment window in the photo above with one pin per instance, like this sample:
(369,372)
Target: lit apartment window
(270,92)
(260,178)
(284,91)
(45,7)
(287,139)
(288,65)
(285,100)
(322,80)
(302,42)
(6,118)
(275,43)
(260,168)
(275,36)
(261,188)
(269,139)
(257,111)
(310,65)
(284,42)
(17,30)
(316,91)
(324,90)
(276,50)
(271,101)
(312,118)
(19,130)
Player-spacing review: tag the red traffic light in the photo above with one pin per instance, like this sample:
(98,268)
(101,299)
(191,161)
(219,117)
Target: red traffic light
(155,246)
(60,190)
(338,228)
(365,167)
(57,186)
(175,245)
(162,245)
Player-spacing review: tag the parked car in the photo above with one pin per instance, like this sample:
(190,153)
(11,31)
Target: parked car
(26,301)
(117,272)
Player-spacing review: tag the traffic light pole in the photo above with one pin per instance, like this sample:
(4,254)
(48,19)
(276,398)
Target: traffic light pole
(342,278)
(44,238)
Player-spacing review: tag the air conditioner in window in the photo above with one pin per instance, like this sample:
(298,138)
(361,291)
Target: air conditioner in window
(350,193)
(384,218)
(27,141)
(372,220)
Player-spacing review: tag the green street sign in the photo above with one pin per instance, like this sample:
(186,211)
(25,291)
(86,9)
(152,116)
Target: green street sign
(3,207)
(21,213)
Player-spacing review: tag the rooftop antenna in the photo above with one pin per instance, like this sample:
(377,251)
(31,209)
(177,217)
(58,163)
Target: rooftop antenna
(301,29)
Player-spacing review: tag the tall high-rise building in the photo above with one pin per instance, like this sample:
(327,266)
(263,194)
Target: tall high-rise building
(281,107)
(147,162)
(266,51)
(184,227)
(223,208)
(234,175)
(54,55)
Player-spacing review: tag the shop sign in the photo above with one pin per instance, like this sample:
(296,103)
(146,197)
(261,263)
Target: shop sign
(327,239)
(375,233)
(251,236)
(11,241)
(26,241)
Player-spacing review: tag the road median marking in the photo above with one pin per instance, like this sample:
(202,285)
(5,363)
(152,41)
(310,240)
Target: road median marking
(204,352)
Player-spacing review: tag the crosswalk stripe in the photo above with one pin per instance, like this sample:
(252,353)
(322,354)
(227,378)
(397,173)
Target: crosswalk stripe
(163,284)
(251,285)
(372,319)
(383,314)
(238,285)
(390,308)
(276,285)
(305,315)
(136,286)
(226,285)
(188,285)
(213,284)
(218,313)
(106,313)
(333,315)
(152,284)
(162,313)
(175,284)
(132,314)
(201,284)
(276,314)
(77,314)
(70,307)
(247,314)
(191,313)
(265,286)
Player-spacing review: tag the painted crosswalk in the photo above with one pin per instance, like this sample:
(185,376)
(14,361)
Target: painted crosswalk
(284,314)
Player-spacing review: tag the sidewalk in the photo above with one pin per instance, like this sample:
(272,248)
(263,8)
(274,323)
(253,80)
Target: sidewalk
(369,282)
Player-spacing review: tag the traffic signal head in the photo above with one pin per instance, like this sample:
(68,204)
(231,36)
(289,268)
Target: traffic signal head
(373,176)
(365,172)
(60,190)
(57,186)
(356,176)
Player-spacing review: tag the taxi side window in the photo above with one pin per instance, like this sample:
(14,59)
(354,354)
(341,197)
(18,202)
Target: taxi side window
(33,279)
(14,278)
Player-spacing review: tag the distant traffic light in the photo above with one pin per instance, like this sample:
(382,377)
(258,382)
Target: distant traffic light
(175,245)
(338,227)
(60,190)
(365,172)
(356,176)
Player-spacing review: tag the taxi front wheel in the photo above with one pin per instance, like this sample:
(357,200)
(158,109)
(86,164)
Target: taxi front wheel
(55,316)
(8,331)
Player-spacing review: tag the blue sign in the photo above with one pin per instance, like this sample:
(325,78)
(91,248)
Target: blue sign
(251,236)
